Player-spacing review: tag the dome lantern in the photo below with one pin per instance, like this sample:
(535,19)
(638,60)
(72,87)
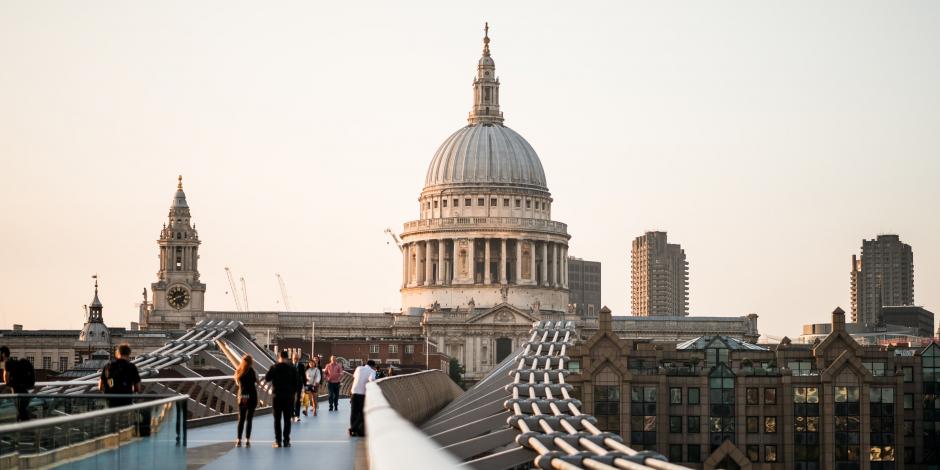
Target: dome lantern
(485,88)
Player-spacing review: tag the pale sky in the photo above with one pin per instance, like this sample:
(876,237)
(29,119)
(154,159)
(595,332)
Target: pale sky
(768,138)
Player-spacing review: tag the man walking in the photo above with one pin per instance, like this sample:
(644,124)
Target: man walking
(301,381)
(334,375)
(120,376)
(283,379)
(362,376)
(20,377)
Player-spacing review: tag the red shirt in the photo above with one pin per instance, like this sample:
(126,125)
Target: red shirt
(333,372)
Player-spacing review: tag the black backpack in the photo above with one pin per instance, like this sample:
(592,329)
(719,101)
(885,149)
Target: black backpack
(117,378)
(22,374)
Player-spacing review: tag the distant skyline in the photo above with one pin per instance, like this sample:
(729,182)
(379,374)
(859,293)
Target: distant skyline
(768,139)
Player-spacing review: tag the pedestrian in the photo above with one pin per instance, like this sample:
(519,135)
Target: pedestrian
(246,378)
(20,376)
(362,376)
(334,375)
(120,377)
(283,379)
(301,381)
(313,385)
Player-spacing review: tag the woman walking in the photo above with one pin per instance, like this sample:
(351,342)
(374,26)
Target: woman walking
(313,384)
(247,398)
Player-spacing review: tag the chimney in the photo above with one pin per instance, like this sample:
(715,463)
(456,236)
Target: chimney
(838,320)
(604,320)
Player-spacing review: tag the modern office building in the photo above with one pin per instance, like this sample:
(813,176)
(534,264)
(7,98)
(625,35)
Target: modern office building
(659,277)
(719,402)
(584,287)
(882,275)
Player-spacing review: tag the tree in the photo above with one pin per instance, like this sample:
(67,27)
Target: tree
(456,372)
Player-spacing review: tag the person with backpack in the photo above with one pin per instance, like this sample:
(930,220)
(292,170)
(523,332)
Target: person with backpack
(301,382)
(283,380)
(120,376)
(20,376)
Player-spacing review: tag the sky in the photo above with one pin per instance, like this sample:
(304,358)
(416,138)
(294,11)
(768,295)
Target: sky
(767,138)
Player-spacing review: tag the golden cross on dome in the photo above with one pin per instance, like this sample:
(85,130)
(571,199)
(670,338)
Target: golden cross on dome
(179,184)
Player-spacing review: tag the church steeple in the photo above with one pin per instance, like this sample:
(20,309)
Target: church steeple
(485,88)
(94,310)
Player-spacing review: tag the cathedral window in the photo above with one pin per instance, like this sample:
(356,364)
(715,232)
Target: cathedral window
(506,202)
(456,202)
(468,202)
(481,201)
(444,202)
(493,201)
(528,204)
(518,203)
(486,94)
(179,236)
(435,204)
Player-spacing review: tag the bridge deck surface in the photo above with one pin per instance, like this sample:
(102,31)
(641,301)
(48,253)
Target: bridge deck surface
(321,442)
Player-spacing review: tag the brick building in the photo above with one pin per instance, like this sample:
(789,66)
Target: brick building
(719,402)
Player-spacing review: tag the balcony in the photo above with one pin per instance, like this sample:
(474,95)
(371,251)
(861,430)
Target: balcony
(484,223)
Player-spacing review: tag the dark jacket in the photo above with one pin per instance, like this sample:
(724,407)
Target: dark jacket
(246,384)
(283,379)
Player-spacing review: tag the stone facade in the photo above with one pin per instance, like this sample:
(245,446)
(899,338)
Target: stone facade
(659,277)
(178,295)
(882,275)
(717,402)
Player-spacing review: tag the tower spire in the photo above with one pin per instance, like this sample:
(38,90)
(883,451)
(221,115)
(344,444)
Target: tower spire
(486,39)
(485,88)
(179,183)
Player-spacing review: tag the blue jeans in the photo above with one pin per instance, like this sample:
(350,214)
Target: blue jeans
(334,395)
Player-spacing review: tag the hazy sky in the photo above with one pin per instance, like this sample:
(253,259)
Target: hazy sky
(768,138)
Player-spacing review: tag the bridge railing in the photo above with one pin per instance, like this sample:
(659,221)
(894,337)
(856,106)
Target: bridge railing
(149,434)
(393,406)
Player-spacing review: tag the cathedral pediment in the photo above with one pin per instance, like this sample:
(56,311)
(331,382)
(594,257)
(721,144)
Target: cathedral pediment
(503,314)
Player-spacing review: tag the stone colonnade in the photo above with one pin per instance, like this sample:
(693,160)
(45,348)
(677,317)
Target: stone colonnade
(503,261)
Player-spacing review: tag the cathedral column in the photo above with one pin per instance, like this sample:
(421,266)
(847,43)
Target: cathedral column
(556,271)
(502,261)
(544,263)
(428,265)
(564,266)
(532,248)
(413,263)
(404,266)
(472,261)
(486,261)
(518,261)
(441,272)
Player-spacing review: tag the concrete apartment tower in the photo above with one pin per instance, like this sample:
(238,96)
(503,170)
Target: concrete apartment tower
(883,275)
(660,277)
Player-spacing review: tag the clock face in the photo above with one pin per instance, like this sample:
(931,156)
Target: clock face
(178,297)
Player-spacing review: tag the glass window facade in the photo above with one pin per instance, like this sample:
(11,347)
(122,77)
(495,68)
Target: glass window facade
(643,417)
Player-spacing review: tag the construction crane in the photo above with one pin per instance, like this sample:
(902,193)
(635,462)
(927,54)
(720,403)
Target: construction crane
(244,293)
(234,290)
(280,281)
(394,237)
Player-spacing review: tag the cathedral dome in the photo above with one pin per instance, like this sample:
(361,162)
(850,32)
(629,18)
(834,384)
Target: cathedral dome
(486,154)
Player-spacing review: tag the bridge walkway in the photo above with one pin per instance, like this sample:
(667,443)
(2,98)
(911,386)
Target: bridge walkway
(316,442)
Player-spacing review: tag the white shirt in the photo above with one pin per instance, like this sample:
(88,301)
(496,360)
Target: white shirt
(362,376)
(313,376)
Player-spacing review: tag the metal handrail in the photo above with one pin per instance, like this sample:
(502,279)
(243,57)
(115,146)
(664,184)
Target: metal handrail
(68,383)
(389,434)
(61,420)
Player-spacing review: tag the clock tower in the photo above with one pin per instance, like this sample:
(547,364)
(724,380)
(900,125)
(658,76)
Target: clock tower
(178,296)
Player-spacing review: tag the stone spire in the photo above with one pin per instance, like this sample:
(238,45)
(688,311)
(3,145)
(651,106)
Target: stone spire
(485,88)
(94,310)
